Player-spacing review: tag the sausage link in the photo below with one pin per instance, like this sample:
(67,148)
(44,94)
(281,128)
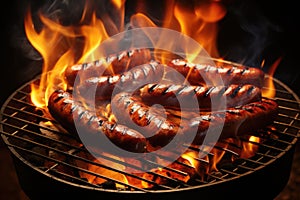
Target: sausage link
(102,88)
(158,129)
(238,121)
(67,112)
(170,96)
(111,65)
(205,74)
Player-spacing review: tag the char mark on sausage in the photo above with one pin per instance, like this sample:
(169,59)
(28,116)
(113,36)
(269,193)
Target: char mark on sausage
(152,122)
(209,98)
(109,66)
(102,88)
(67,112)
(235,121)
(207,74)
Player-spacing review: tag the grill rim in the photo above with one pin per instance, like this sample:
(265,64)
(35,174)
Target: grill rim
(17,155)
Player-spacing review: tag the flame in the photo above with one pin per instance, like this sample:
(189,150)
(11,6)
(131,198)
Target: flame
(59,47)
(94,179)
(190,157)
(62,46)
(200,24)
(269,89)
(249,148)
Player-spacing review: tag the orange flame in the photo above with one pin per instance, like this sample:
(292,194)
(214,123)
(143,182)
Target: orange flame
(269,88)
(190,157)
(250,148)
(58,46)
(62,46)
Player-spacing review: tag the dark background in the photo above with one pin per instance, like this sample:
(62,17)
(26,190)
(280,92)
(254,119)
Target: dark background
(252,31)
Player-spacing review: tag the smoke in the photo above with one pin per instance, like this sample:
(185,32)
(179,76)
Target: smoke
(247,33)
(244,35)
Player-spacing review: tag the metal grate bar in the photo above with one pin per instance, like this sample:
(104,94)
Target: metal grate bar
(74,178)
(289,117)
(168,168)
(30,113)
(268,146)
(77,168)
(39,126)
(36,134)
(253,161)
(287,108)
(287,124)
(266,155)
(286,100)
(230,172)
(91,162)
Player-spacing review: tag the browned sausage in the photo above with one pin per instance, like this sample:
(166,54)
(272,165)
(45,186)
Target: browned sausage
(158,129)
(111,65)
(238,121)
(67,112)
(205,74)
(101,88)
(170,96)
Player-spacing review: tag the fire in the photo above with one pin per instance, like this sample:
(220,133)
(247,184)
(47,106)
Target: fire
(105,172)
(61,46)
(269,88)
(190,156)
(249,148)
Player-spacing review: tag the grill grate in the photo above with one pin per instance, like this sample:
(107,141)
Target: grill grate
(56,154)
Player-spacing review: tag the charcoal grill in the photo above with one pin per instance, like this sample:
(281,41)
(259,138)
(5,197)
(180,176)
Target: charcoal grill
(266,173)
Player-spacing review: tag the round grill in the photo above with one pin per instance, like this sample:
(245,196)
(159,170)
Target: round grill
(51,158)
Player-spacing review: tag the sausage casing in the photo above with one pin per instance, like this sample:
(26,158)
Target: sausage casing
(237,121)
(206,74)
(67,112)
(178,97)
(154,124)
(102,88)
(111,65)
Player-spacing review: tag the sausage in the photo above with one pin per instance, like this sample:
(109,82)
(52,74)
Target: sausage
(206,74)
(67,112)
(102,88)
(178,97)
(111,65)
(238,121)
(158,130)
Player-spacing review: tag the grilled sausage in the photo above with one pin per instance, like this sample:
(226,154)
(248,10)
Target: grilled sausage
(68,112)
(112,65)
(158,129)
(238,121)
(101,88)
(205,74)
(170,96)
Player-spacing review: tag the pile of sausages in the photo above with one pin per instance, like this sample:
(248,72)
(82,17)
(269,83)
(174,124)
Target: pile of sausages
(131,82)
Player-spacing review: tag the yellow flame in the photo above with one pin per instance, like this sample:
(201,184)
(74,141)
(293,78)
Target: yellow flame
(190,156)
(62,46)
(57,45)
(118,3)
(249,148)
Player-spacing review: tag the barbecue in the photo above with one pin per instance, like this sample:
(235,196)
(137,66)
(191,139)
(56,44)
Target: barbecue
(52,152)
(144,123)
